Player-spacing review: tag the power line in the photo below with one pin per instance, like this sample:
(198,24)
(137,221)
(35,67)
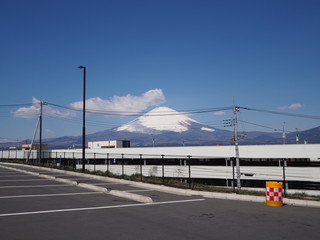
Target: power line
(214,124)
(259,125)
(78,121)
(164,113)
(15,105)
(282,113)
(94,123)
(263,126)
(138,114)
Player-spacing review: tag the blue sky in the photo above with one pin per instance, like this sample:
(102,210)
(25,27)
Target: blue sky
(142,54)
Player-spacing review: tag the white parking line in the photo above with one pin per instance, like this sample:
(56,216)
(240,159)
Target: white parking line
(9,173)
(50,195)
(24,180)
(16,175)
(98,208)
(36,186)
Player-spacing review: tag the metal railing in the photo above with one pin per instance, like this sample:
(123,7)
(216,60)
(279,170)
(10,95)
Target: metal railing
(185,170)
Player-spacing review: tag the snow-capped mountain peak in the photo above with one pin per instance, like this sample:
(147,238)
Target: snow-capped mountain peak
(160,119)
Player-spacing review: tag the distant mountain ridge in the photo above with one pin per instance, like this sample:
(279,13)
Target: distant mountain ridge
(164,126)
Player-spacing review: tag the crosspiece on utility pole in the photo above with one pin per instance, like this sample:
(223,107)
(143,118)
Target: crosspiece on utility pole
(227,123)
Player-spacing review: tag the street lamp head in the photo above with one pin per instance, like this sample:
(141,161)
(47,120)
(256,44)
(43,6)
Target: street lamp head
(81,67)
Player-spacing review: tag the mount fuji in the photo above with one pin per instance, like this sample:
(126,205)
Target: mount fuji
(164,126)
(161,126)
(163,119)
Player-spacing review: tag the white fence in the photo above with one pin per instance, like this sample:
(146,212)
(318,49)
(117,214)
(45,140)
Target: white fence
(306,174)
(311,174)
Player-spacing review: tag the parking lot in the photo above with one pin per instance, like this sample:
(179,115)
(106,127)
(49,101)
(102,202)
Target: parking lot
(32,207)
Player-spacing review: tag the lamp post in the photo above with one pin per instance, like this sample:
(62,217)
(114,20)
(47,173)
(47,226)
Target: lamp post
(84,119)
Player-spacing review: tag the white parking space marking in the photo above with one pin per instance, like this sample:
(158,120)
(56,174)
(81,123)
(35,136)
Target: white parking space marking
(10,174)
(99,208)
(24,180)
(50,195)
(14,175)
(37,186)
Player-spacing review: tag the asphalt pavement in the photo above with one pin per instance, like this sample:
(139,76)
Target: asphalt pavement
(33,207)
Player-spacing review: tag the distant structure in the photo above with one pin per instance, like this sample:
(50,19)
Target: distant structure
(34,147)
(109,144)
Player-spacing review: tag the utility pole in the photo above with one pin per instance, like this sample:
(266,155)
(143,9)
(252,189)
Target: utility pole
(235,124)
(40,131)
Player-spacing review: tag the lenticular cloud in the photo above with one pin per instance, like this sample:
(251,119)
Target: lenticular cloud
(126,104)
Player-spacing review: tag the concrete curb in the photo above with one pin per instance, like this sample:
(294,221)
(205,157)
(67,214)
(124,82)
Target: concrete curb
(301,203)
(166,189)
(132,196)
(67,181)
(93,187)
(47,177)
(232,196)
(34,174)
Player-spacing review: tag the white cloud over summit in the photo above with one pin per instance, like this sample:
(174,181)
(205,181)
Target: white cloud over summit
(126,104)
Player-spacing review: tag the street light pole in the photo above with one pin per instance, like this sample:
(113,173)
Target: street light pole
(84,119)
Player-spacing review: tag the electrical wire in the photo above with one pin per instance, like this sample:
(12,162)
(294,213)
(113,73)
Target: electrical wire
(212,124)
(282,113)
(137,114)
(263,126)
(15,105)
(259,125)
(79,121)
